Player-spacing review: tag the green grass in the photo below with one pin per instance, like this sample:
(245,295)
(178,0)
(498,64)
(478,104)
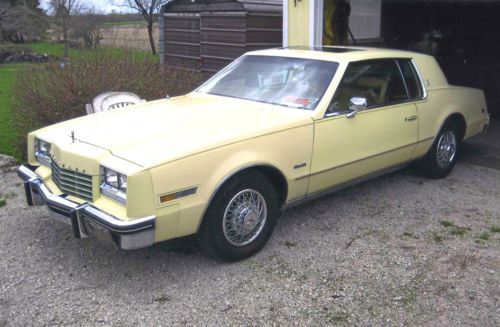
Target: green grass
(458,232)
(7,79)
(161,299)
(125,23)
(484,236)
(57,49)
(437,238)
(7,133)
(446,223)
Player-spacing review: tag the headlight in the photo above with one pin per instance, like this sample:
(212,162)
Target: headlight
(42,152)
(114,185)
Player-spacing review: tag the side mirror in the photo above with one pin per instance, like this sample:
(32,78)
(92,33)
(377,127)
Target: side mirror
(356,104)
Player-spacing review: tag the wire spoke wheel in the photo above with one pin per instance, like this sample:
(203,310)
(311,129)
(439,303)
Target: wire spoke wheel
(446,149)
(245,217)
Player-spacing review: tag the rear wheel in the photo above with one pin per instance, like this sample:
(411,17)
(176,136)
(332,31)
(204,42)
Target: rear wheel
(442,156)
(240,219)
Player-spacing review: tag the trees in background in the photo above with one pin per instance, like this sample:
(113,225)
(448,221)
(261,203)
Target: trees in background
(86,28)
(22,20)
(148,9)
(63,11)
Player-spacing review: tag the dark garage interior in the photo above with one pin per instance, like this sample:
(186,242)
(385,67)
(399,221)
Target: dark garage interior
(463,36)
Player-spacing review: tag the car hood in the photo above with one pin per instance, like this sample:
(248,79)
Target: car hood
(160,131)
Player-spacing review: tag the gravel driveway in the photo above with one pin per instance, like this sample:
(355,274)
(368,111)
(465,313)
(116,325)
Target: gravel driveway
(396,251)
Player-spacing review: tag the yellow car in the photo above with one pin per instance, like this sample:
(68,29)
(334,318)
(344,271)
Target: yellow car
(273,129)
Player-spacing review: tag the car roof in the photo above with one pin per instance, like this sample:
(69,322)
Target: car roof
(337,53)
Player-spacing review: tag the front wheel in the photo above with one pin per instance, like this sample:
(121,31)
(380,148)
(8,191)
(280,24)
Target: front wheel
(240,219)
(442,156)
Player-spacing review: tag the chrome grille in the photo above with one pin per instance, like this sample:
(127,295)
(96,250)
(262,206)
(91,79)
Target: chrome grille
(72,182)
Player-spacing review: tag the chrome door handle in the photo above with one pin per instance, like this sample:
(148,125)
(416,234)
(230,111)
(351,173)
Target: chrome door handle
(410,118)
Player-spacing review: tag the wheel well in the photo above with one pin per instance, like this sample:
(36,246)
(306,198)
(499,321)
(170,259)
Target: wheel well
(458,120)
(274,175)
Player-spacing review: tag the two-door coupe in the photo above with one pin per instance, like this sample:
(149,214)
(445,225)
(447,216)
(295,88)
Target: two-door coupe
(272,129)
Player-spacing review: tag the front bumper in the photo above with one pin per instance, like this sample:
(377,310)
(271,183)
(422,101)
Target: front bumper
(85,219)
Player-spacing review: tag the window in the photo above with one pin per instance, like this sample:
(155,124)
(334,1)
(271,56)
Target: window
(379,82)
(411,78)
(291,82)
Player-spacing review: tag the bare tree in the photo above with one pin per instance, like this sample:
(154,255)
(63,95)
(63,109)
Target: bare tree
(64,10)
(148,9)
(22,20)
(85,28)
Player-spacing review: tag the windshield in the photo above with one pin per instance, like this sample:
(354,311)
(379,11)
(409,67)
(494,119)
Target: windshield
(292,82)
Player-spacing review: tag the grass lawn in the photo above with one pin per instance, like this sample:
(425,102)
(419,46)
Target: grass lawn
(7,133)
(57,49)
(7,79)
(125,23)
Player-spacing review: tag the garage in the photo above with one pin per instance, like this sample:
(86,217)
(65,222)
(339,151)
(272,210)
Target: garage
(461,34)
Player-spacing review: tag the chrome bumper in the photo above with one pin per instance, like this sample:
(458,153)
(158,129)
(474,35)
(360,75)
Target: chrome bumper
(85,219)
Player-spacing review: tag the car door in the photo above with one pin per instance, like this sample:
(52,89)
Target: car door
(371,124)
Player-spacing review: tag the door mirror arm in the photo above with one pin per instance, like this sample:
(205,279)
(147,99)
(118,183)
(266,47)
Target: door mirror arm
(356,104)
(352,114)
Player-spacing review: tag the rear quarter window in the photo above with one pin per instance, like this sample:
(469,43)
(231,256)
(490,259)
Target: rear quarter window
(411,79)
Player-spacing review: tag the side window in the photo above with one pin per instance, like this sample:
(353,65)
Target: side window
(379,82)
(411,78)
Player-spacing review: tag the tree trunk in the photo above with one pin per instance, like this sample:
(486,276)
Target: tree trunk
(151,39)
(65,36)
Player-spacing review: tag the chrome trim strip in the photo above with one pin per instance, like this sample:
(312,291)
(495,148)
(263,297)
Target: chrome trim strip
(402,78)
(369,157)
(420,77)
(43,158)
(341,186)
(133,225)
(27,172)
(55,198)
(113,193)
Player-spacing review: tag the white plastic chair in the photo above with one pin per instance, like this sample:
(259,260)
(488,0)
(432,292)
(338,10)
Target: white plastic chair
(112,100)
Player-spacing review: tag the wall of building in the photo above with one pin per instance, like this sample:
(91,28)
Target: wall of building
(206,36)
(298,22)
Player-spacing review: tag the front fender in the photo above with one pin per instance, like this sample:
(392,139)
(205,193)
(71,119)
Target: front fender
(206,171)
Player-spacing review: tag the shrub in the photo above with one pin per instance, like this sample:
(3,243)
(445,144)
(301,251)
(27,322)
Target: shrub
(53,92)
(8,51)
